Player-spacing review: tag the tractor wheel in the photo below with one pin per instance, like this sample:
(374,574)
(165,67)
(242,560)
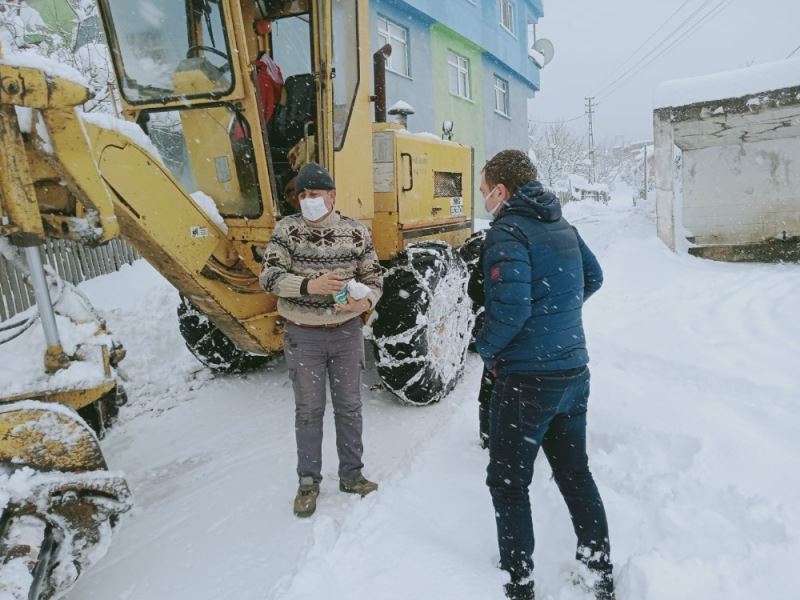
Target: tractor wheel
(102,414)
(423,323)
(212,347)
(471,253)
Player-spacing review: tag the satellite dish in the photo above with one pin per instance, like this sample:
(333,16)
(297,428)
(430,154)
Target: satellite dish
(545,49)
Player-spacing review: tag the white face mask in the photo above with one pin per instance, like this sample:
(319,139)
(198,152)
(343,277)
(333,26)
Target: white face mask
(313,208)
(492,212)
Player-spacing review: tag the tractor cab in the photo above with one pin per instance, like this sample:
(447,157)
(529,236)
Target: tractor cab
(237,95)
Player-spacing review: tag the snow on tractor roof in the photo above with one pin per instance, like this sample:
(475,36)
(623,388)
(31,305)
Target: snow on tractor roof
(765,77)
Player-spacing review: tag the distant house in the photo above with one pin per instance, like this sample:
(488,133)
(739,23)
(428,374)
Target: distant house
(581,189)
(727,162)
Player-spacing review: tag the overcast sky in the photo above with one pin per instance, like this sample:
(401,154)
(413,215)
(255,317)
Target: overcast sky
(592,39)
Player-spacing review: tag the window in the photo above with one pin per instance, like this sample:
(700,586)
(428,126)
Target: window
(157,46)
(458,75)
(291,45)
(345,61)
(225,170)
(507,15)
(397,36)
(501,96)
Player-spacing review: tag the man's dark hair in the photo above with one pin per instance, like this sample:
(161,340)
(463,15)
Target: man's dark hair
(512,168)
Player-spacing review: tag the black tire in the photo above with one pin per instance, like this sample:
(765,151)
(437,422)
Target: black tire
(471,253)
(212,347)
(103,413)
(423,321)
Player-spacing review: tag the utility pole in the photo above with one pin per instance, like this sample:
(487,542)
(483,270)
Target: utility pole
(644,195)
(590,112)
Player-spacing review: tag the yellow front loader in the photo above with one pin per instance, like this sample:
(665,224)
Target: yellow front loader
(223,101)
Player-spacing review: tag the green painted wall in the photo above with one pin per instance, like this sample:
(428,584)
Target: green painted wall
(57,14)
(468,116)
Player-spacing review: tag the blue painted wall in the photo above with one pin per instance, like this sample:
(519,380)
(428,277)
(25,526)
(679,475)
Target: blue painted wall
(502,132)
(479,22)
(417,89)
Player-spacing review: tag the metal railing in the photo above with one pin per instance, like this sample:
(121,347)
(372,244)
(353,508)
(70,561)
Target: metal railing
(72,261)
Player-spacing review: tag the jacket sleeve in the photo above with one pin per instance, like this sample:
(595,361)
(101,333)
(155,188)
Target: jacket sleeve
(592,273)
(276,270)
(369,271)
(507,285)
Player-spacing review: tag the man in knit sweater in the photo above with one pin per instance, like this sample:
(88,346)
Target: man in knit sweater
(310,258)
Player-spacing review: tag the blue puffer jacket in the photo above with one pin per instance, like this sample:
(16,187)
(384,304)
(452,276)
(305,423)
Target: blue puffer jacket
(537,275)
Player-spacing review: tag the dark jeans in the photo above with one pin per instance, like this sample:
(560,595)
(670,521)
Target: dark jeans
(529,410)
(484,404)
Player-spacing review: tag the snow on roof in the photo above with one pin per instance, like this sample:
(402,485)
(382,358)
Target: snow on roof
(401,105)
(50,67)
(729,84)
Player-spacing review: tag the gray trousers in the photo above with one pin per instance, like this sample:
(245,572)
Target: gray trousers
(311,354)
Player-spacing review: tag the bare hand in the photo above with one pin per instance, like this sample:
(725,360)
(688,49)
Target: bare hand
(356,306)
(327,283)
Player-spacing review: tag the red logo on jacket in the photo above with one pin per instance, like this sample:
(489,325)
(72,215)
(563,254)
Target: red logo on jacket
(494,273)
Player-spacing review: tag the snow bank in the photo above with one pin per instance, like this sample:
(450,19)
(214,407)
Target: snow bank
(729,84)
(693,426)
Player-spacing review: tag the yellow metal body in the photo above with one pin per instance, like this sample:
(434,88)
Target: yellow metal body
(95,174)
(422,189)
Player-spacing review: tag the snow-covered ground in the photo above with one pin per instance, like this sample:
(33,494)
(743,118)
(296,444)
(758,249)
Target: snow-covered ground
(693,440)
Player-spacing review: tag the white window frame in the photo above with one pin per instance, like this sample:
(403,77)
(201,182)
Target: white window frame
(512,13)
(461,66)
(387,36)
(502,96)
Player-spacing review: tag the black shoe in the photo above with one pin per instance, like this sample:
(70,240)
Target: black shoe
(604,586)
(519,591)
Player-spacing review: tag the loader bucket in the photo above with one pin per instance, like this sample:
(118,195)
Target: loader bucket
(58,503)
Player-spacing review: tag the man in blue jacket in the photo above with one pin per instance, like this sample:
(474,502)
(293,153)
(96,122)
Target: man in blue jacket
(538,273)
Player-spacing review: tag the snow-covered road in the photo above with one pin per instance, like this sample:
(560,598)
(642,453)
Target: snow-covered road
(694,427)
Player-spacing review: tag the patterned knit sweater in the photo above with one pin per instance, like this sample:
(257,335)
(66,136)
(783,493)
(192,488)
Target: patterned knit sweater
(300,251)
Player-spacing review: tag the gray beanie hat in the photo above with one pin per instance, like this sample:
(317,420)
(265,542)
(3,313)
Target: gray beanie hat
(313,177)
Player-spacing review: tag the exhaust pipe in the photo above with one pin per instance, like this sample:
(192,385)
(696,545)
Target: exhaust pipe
(379,75)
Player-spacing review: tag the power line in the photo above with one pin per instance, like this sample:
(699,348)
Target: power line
(667,40)
(718,8)
(644,43)
(557,122)
(792,53)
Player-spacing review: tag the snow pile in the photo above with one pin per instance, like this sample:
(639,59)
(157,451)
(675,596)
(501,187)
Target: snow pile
(729,84)
(48,66)
(207,205)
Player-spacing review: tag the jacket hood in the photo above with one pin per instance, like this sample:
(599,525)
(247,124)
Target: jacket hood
(532,200)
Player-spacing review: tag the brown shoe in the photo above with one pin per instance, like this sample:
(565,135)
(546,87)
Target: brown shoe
(360,485)
(305,503)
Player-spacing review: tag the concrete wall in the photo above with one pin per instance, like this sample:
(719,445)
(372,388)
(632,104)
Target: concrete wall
(744,193)
(416,89)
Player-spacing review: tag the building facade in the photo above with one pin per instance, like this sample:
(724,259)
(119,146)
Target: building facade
(465,61)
